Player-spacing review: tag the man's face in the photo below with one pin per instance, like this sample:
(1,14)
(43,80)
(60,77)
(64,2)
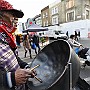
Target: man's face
(15,22)
(74,37)
(11,19)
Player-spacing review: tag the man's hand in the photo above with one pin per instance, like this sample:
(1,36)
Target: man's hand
(21,75)
(81,46)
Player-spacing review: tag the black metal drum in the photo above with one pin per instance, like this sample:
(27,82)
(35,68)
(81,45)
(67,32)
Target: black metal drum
(54,68)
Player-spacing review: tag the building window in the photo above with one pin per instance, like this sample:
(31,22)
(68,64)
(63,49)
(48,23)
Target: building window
(70,4)
(87,14)
(43,15)
(46,23)
(54,20)
(54,10)
(46,14)
(70,16)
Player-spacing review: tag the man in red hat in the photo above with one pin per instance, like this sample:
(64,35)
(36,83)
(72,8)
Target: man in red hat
(13,74)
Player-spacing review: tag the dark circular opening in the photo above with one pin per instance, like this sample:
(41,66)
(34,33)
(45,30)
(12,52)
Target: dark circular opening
(52,60)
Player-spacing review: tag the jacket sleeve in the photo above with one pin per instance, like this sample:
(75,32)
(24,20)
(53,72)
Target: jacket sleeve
(21,63)
(74,43)
(7,80)
(3,79)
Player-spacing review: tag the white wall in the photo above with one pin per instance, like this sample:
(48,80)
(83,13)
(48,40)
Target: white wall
(82,25)
(55,27)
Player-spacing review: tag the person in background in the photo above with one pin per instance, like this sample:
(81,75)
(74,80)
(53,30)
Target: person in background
(76,36)
(27,46)
(67,34)
(13,74)
(35,40)
(85,54)
(79,34)
(73,42)
(18,40)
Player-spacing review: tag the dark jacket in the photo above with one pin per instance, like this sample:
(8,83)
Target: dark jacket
(3,80)
(83,52)
(35,39)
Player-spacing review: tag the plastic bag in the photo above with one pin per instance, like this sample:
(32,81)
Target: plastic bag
(77,50)
(33,46)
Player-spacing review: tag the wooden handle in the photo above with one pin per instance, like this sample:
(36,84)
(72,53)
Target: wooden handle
(38,79)
(34,75)
(34,67)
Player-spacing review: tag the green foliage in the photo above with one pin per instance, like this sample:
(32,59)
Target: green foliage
(42,39)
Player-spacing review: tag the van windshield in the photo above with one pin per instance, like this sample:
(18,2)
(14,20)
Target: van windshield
(58,32)
(61,32)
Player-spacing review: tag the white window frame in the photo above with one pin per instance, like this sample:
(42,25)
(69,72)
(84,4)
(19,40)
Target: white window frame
(44,23)
(54,20)
(43,15)
(46,14)
(86,12)
(54,10)
(68,13)
(47,23)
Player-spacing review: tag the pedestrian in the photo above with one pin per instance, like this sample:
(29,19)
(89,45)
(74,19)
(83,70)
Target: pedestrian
(73,42)
(18,40)
(79,34)
(42,40)
(76,36)
(67,34)
(27,46)
(13,74)
(35,40)
(85,54)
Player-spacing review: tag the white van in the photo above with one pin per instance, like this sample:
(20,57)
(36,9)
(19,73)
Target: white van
(53,34)
(59,34)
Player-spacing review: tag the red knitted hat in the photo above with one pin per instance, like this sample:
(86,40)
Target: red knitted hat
(6,6)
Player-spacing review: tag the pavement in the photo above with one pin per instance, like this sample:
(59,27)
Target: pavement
(21,53)
(85,42)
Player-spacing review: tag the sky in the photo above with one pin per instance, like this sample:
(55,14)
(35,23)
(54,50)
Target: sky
(30,8)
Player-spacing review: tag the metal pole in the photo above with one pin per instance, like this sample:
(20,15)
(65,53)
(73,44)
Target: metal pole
(70,75)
